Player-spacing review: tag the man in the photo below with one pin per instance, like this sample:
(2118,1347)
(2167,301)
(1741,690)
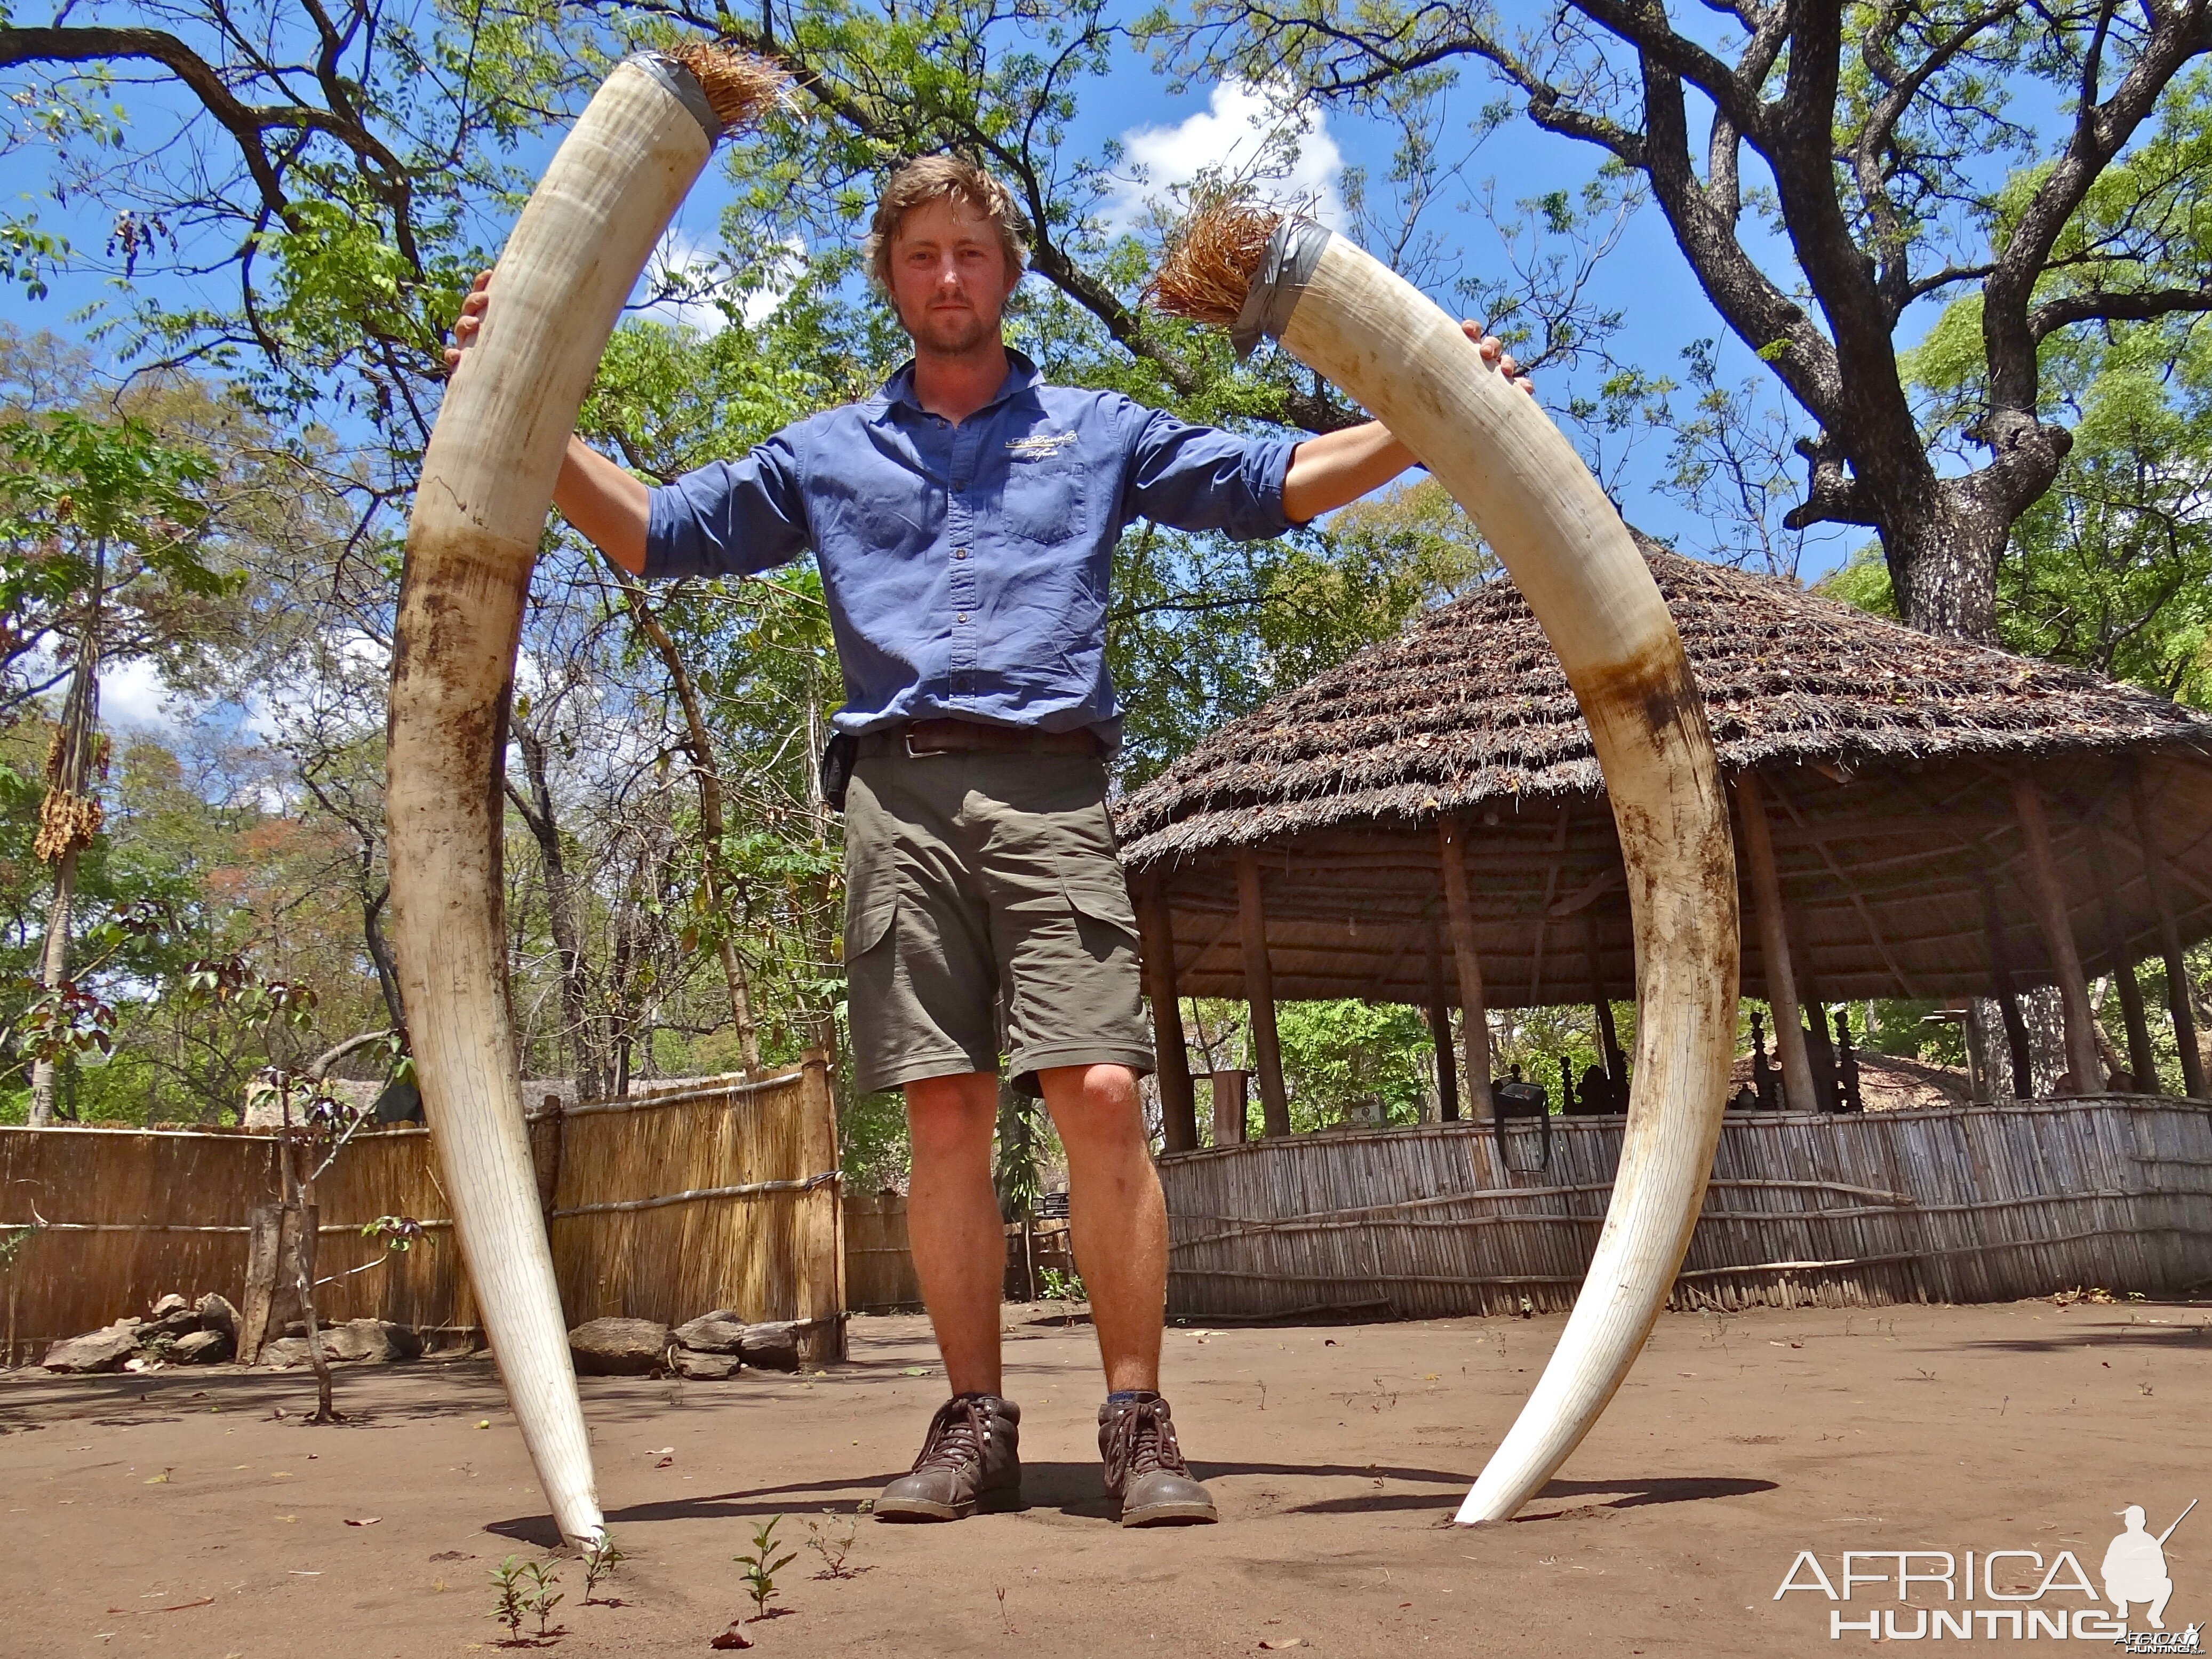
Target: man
(2133,1568)
(964,520)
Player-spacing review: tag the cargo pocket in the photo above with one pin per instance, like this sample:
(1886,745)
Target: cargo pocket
(867,928)
(1104,918)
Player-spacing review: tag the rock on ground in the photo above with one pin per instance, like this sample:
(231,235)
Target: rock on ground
(773,1346)
(202,1347)
(707,1367)
(217,1315)
(721,1332)
(373,1339)
(103,1350)
(620,1347)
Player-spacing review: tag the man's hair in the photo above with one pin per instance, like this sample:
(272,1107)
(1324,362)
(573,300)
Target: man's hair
(937,178)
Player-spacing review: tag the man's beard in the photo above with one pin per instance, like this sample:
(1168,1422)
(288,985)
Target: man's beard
(950,333)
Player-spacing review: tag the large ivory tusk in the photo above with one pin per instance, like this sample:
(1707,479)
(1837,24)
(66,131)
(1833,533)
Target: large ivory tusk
(1371,332)
(487,479)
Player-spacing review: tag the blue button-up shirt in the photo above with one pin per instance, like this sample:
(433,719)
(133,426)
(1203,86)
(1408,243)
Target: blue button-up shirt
(966,566)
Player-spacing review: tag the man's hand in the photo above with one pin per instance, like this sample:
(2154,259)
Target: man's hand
(1337,467)
(608,505)
(1495,353)
(471,321)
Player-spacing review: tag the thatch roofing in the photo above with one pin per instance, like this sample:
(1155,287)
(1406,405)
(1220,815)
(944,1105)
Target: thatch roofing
(1468,708)
(1889,754)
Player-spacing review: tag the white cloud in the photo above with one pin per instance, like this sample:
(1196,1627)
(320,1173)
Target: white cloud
(688,264)
(133,699)
(1243,130)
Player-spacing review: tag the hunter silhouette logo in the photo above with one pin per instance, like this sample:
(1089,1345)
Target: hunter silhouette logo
(2135,1566)
(2000,1595)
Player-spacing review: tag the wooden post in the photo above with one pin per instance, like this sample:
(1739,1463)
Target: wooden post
(1608,1041)
(1797,1089)
(1259,993)
(2143,1062)
(1440,1035)
(1178,1104)
(2169,937)
(1228,1107)
(2082,1056)
(1473,1007)
(2007,993)
(822,1225)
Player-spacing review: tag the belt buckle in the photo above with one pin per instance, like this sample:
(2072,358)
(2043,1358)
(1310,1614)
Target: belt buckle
(913,753)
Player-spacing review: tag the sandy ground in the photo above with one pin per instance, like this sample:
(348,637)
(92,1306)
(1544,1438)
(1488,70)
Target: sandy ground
(177,1514)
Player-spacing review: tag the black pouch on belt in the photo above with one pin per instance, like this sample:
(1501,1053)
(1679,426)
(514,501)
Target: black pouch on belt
(837,758)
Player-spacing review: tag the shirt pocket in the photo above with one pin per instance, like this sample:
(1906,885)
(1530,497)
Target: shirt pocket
(1042,502)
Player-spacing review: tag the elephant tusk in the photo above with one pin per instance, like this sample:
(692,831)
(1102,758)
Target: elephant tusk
(1348,316)
(479,512)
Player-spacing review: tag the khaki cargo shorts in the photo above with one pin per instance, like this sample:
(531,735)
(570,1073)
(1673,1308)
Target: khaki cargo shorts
(979,886)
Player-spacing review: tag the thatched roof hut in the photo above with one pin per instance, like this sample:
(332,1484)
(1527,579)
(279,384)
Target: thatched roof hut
(1890,763)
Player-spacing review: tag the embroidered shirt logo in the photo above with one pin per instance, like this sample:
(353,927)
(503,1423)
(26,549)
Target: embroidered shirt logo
(1040,444)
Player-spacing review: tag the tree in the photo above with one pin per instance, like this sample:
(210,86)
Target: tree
(2038,163)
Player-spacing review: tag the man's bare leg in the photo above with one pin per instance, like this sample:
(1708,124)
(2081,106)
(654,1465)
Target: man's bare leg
(952,1220)
(1116,1213)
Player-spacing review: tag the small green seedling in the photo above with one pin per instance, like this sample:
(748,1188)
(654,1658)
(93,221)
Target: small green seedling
(508,1597)
(601,1557)
(541,1598)
(760,1570)
(1064,1287)
(833,1546)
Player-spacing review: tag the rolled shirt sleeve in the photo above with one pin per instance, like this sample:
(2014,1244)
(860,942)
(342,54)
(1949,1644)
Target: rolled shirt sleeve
(1200,477)
(729,518)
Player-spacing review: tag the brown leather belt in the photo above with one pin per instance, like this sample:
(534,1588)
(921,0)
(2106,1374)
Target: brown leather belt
(946,737)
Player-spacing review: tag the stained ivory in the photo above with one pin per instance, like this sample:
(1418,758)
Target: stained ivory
(487,480)
(1566,549)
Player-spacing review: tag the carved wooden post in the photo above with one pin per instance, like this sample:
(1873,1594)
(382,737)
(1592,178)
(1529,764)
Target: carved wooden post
(2082,1056)
(1473,1007)
(1797,1089)
(1178,1105)
(1260,993)
(2169,937)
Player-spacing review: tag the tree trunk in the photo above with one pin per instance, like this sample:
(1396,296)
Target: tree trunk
(713,825)
(1943,563)
(68,817)
(52,971)
(538,813)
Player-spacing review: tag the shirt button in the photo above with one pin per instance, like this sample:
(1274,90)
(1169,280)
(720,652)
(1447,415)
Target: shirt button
(959,552)
(962,618)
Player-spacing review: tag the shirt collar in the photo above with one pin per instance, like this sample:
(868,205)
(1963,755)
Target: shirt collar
(1021,375)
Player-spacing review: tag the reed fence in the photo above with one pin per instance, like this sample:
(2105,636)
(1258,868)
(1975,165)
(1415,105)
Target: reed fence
(1962,1203)
(659,1206)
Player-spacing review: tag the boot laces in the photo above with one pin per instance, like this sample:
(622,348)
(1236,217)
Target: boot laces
(957,1434)
(1142,1440)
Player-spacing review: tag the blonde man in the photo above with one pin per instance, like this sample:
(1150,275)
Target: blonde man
(964,520)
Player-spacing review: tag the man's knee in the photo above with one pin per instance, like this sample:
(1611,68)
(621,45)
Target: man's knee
(951,1115)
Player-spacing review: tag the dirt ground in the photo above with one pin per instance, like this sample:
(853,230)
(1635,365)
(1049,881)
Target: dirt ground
(177,1514)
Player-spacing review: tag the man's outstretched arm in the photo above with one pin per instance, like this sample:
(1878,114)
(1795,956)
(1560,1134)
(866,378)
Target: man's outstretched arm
(1338,467)
(608,505)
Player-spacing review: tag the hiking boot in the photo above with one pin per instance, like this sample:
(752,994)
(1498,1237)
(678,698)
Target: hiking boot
(970,1460)
(1144,1468)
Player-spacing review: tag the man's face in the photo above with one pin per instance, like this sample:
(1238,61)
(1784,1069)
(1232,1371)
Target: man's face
(948,277)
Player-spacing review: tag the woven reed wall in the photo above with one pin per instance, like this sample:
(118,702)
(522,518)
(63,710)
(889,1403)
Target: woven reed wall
(645,1219)
(1972,1203)
(879,1275)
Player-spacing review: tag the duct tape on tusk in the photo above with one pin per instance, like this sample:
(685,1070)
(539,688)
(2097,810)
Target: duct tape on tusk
(682,86)
(1292,252)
